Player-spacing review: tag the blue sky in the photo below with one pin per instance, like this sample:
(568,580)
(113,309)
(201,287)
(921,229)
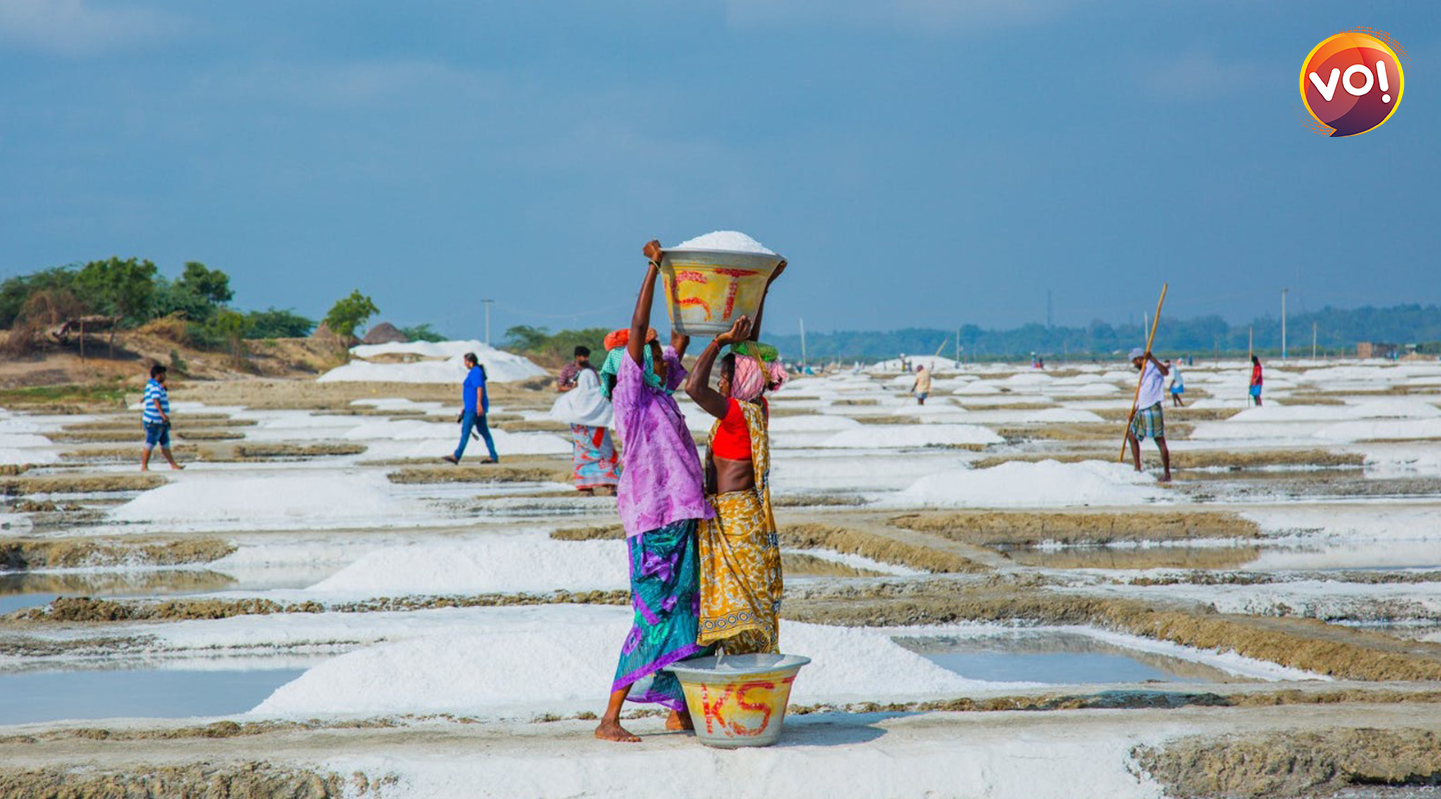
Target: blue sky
(921,162)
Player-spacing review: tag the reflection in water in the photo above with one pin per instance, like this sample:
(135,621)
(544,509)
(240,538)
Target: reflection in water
(53,696)
(115,583)
(1058,657)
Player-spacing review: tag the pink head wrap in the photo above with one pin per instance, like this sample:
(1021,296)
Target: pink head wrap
(753,376)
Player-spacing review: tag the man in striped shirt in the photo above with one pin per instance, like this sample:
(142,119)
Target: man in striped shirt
(155,415)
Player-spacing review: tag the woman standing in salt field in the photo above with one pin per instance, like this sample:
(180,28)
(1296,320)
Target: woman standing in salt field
(587,410)
(740,559)
(1256,380)
(661,500)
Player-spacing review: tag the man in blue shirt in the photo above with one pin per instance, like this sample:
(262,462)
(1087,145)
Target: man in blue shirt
(155,416)
(477,405)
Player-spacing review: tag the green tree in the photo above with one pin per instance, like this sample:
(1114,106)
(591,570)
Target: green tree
(210,284)
(275,323)
(524,338)
(350,313)
(122,288)
(422,332)
(226,329)
(17,290)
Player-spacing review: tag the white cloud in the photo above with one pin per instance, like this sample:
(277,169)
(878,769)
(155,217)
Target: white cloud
(916,15)
(79,28)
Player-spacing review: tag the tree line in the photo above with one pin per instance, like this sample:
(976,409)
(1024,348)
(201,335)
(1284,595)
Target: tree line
(196,306)
(1336,331)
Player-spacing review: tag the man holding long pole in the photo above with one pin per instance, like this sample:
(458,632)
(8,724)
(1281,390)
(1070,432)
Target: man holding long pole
(1147,418)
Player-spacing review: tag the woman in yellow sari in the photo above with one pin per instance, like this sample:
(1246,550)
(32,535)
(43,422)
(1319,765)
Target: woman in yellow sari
(740,561)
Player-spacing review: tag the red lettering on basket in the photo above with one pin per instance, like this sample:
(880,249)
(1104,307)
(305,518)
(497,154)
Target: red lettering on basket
(705,306)
(690,276)
(712,710)
(761,707)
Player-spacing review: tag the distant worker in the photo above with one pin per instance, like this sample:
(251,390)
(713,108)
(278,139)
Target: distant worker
(572,370)
(922,387)
(155,416)
(1178,385)
(1256,380)
(582,405)
(477,405)
(1147,418)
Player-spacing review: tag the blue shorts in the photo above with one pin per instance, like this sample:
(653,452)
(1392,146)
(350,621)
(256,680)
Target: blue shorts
(157,434)
(1255,391)
(923,395)
(1178,389)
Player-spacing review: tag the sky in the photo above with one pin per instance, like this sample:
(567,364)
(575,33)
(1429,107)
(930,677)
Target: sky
(919,162)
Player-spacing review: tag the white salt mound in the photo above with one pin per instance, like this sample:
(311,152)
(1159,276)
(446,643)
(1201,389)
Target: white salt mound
(732,240)
(501,564)
(509,663)
(1031,485)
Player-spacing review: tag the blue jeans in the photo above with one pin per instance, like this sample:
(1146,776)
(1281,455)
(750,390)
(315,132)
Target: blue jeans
(157,433)
(473,420)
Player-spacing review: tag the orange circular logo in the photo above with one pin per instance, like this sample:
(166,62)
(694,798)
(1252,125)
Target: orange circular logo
(1352,82)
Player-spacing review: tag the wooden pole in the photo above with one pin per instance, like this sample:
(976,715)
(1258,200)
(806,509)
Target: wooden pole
(1134,399)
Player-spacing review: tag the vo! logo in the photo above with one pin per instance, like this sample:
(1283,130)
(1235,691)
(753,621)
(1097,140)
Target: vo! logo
(1352,82)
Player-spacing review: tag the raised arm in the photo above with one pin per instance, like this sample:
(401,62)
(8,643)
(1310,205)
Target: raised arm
(698,385)
(679,342)
(1159,366)
(756,326)
(640,320)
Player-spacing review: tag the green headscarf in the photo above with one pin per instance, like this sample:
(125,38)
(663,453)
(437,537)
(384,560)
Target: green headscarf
(611,367)
(756,349)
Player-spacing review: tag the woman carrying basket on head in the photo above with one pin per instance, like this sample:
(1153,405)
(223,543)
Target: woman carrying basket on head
(740,562)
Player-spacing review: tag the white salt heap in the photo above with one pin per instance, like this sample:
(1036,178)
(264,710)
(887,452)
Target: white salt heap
(732,240)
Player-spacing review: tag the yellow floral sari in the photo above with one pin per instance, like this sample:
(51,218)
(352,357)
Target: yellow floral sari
(740,559)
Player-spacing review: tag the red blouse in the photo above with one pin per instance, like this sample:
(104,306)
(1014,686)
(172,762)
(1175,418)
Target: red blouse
(732,439)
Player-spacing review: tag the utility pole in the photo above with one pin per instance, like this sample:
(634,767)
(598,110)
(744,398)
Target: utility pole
(958,348)
(803,345)
(1283,323)
(487,321)
(1313,341)
(1250,342)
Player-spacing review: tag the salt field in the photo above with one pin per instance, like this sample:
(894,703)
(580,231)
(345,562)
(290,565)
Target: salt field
(972,579)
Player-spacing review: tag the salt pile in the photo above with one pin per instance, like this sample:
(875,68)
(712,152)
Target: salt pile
(911,435)
(441,363)
(557,660)
(501,564)
(204,499)
(1032,485)
(732,240)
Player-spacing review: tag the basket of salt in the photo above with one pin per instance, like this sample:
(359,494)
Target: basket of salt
(738,700)
(713,280)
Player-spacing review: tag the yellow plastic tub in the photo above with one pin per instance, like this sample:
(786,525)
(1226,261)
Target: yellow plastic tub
(740,700)
(707,290)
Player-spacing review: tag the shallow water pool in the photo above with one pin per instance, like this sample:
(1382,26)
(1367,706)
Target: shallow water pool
(1057,657)
(63,695)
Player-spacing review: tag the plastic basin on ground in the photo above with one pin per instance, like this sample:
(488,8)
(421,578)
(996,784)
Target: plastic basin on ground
(740,701)
(707,290)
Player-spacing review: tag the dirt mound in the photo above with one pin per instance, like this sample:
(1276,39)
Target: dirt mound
(80,484)
(491,473)
(1295,764)
(208,780)
(68,553)
(1022,528)
(875,547)
(385,333)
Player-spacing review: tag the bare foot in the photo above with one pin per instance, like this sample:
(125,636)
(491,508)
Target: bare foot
(610,730)
(679,721)
(450,459)
(1166,478)
(177,467)
(144,468)
(605,491)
